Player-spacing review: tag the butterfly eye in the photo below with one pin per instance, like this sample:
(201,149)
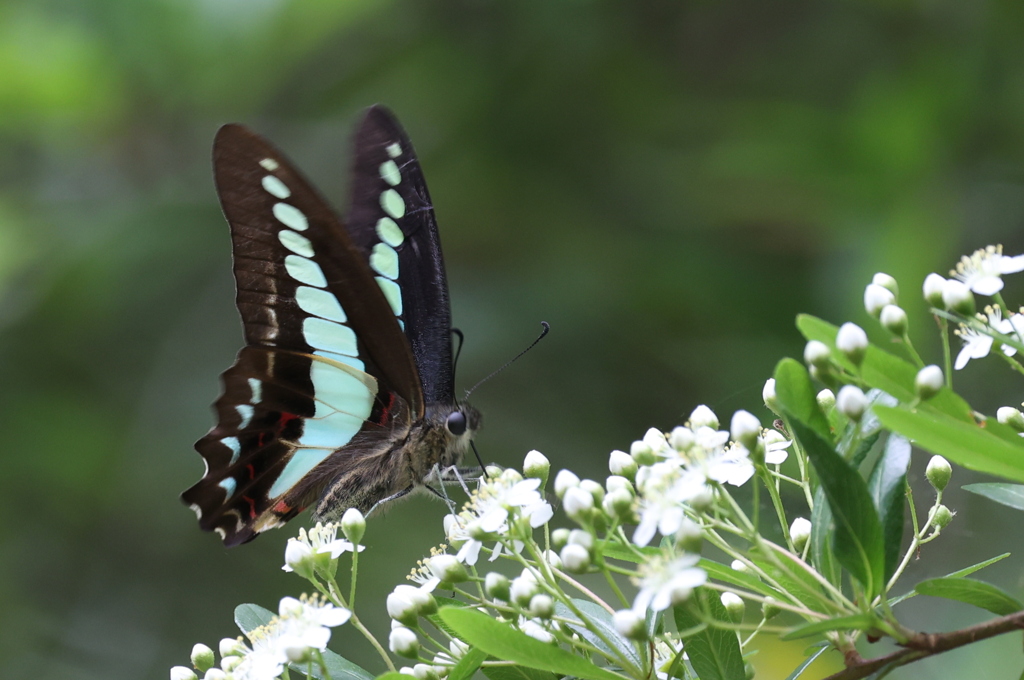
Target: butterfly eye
(457,423)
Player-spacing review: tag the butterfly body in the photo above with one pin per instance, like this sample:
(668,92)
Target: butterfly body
(343,395)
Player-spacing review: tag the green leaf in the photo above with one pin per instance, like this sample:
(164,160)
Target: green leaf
(393,675)
(714,652)
(978,593)
(886,486)
(599,618)
(821,539)
(798,671)
(858,541)
(853,622)
(798,398)
(726,574)
(468,664)
(249,617)
(885,371)
(793,577)
(517,673)
(618,552)
(1010,495)
(983,448)
(443,601)
(503,642)
(966,571)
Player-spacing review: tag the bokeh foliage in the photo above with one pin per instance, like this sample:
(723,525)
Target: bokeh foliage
(667,183)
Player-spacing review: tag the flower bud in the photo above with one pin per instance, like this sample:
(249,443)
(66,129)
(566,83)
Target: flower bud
(404,642)
(401,607)
(353,525)
(615,482)
(702,500)
(493,471)
(938,472)
(577,504)
(218,674)
(886,281)
(594,489)
(894,320)
(852,402)
(852,341)
(928,382)
(447,568)
(876,297)
(424,671)
(564,480)
(230,663)
(826,400)
(182,673)
(542,606)
(689,536)
(1008,415)
(230,647)
(738,565)
(642,453)
(734,606)
(537,466)
(817,354)
(800,532)
(619,504)
(299,557)
(622,464)
(497,586)
(769,396)
(630,624)
(575,558)
(703,416)
(681,439)
(749,671)
(933,286)
(523,589)
(941,517)
(957,297)
(203,658)
(559,537)
(745,428)
(552,558)
(770,608)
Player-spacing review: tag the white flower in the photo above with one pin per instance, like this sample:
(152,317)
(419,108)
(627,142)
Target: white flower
(876,297)
(306,624)
(667,580)
(703,416)
(536,630)
(851,402)
(775,446)
(322,540)
(957,297)
(981,271)
(664,490)
(932,288)
(977,344)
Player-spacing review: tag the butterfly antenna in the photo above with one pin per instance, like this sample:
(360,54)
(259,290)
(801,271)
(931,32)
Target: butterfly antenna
(511,361)
(458,350)
(478,458)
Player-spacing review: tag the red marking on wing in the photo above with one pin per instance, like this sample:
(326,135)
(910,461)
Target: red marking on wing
(285,418)
(252,506)
(385,413)
(252,471)
(282,508)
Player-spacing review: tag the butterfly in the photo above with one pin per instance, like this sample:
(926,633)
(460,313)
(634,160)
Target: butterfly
(343,395)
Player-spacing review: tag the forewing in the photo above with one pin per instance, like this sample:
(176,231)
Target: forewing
(326,361)
(392,220)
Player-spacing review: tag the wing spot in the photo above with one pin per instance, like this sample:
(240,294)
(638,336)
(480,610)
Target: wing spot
(392,292)
(394,150)
(229,485)
(256,387)
(384,261)
(305,271)
(389,172)
(392,203)
(269,164)
(320,303)
(275,187)
(290,216)
(295,242)
(389,232)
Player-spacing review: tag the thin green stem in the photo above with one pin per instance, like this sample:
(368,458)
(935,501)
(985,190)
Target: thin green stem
(372,640)
(355,575)
(780,511)
(913,352)
(947,352)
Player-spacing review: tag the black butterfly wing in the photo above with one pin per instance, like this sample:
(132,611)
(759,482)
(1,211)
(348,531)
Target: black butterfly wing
(326,361)
(392,220)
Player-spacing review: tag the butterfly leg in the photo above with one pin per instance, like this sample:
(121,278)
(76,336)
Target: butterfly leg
(442,494)
(392,497)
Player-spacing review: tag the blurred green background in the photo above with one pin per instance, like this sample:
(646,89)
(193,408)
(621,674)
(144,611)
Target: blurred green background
(667,183)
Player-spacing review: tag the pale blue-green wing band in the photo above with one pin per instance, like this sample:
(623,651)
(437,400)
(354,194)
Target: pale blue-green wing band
(384,260)
(330,336)
(389,232)
(392,203)
(319,302)
(389,172)
(275,187)
(290,216)
(305,271)
(295,242)
(392,292)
